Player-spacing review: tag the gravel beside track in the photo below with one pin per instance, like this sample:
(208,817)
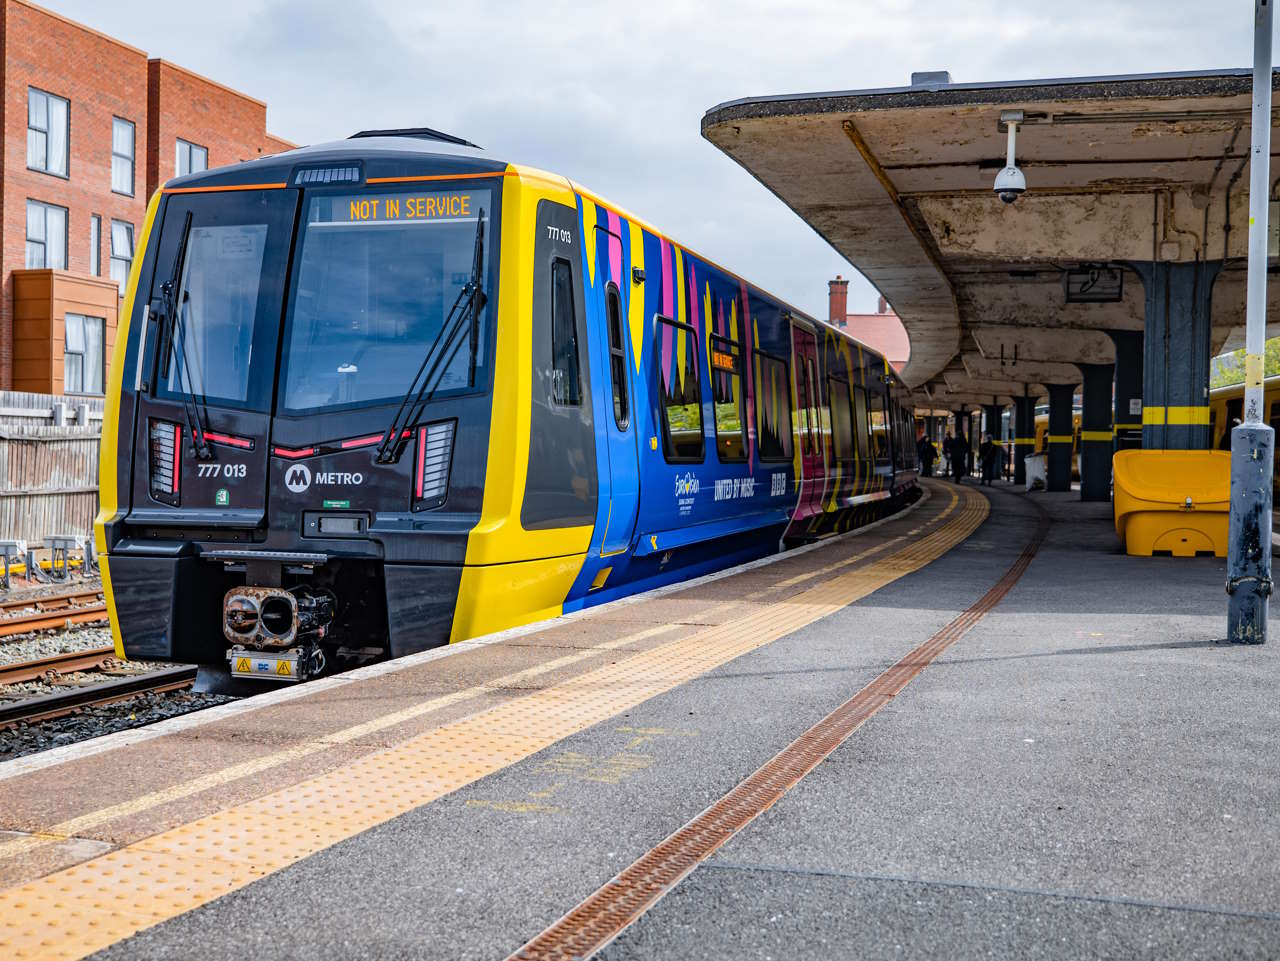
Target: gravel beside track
(28,647)
(106,719)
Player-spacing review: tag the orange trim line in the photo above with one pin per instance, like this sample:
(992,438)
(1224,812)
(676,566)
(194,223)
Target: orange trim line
(220,188)
(419,179)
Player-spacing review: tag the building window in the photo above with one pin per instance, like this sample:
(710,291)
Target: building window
(121,252)
(122,141)
(83,355)
(191,158)
(46,235)
(95,245)
(48,143)
(679,391)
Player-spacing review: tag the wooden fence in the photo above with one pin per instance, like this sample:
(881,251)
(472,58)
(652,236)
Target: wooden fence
(48,465)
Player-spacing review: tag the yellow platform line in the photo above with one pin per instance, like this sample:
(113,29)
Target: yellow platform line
(71,828)
(84,908)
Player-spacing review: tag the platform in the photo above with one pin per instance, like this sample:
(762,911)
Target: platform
(1014,741)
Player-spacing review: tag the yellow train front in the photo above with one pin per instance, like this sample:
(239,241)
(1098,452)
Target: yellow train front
(374,396)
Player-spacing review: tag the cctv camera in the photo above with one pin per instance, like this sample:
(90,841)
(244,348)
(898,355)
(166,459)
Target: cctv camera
(1010,184)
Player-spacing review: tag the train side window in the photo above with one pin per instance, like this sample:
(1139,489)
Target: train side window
(679,391)
(617,357)
(773,408)
(860,421)
(879,428)
(815,427)
(727,400)
(566,375)
(841,419)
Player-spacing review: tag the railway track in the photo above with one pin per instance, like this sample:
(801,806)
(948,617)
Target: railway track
(57,610)
(62,703)
(92,659)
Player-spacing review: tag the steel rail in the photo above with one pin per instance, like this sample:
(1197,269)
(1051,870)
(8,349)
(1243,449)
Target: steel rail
(88,660)
(59,610)
(50,706)
(53,602)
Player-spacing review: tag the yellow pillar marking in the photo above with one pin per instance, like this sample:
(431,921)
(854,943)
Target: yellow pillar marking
(84,908)
(1193,415)
(1096,435)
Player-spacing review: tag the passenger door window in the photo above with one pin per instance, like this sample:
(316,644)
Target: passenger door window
(566,375)
(617,357)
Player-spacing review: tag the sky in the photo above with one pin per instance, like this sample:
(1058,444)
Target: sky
(612,94)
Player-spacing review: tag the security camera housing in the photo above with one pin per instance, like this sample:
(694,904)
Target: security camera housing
(1010,184)
(1009,181)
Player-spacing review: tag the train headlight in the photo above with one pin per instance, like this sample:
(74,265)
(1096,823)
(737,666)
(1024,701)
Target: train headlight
(433,459)
(165,461)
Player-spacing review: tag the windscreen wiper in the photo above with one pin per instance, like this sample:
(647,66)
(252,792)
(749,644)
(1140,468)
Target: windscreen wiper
(467,306)
(173,342)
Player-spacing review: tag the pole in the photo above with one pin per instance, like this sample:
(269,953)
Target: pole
(1253,442)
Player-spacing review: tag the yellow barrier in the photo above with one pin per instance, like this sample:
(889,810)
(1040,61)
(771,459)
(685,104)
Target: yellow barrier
(1172,500)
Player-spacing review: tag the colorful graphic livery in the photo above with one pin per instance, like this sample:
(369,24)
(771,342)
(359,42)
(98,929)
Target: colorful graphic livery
(374,396)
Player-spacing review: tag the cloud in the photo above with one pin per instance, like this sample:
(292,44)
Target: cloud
(611,95)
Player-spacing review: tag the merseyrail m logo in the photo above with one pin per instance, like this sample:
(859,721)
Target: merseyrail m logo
(297,478)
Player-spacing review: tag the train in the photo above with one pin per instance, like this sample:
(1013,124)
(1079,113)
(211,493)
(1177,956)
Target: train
(1226,408)
(378,395)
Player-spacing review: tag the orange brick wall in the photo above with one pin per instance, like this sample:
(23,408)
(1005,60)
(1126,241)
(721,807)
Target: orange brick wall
(187,106)
(101,77)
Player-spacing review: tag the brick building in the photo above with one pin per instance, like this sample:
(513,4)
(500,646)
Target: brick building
(91,127)
(881,331)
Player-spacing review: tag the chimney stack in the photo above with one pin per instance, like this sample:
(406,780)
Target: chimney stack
(838,301)
(883,306)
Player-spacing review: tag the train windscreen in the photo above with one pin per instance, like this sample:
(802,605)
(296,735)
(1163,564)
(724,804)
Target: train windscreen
(377,278)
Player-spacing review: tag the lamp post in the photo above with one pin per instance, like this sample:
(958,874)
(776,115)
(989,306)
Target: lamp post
(1253,442)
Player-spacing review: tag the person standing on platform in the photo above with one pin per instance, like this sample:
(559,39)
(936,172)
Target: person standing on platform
(947,443)
(988,453)
(959,457)
(927,454)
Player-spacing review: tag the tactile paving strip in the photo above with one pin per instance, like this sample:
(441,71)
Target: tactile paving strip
(79,910)
(602,916)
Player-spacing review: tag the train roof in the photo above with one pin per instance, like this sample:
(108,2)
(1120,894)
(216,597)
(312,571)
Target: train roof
(1268,383)
(404,153)
(388,155)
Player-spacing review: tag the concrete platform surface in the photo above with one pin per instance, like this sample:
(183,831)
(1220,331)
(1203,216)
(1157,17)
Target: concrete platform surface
(1084,773)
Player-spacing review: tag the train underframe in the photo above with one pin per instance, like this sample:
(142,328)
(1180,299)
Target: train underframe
(289,617)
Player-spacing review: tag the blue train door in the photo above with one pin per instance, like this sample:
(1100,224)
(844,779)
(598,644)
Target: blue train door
(617,407)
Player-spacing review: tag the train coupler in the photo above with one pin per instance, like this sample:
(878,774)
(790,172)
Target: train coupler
(296,664)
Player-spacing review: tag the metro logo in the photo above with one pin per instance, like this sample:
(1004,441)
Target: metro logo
(297,478)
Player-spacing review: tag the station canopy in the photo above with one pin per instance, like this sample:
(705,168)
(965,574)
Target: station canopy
(1120,171)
